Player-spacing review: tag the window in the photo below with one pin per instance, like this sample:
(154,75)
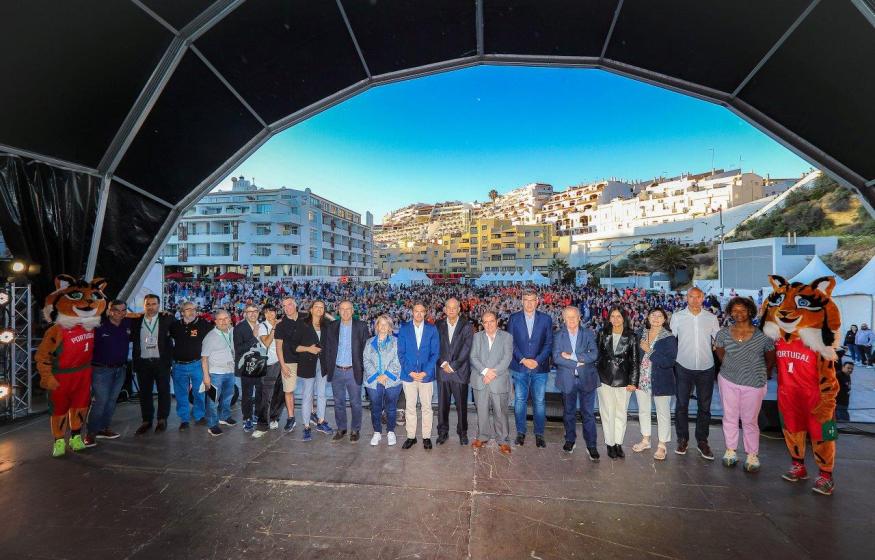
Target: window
(314,235)
(262,229)
(261,250)
(291,249)
(171,251)
(508,257)
(311,216)
(797,250)
(528,245)
(290,229)
(263,208)
(474,250)
(314,252)
(473,260)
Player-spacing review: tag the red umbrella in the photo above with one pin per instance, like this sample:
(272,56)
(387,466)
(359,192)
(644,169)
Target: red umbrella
(175,275)
(230,276)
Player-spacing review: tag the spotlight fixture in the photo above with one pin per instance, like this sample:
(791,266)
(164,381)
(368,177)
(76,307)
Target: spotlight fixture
(4,391)
(18,267)
(4,298)
(7,336)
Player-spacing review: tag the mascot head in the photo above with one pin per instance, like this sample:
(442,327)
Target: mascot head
(75,302)
(803,311)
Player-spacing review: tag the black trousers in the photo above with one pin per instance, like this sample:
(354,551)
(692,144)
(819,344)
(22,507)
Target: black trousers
(703,382)
(267,401)
(278,400)
(151,373)
(459,393)
(251,395)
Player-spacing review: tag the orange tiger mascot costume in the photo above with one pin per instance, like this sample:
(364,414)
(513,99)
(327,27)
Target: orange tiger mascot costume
(805,323)
(64,356)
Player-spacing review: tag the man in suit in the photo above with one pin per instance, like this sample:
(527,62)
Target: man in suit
(491,355)
(454,370)
(153,356)
(418,348)
(343,347)
(532,333)
(575,353)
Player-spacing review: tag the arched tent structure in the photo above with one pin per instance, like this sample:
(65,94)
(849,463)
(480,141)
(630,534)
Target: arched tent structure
(856,298)
(116,116)
(815,269)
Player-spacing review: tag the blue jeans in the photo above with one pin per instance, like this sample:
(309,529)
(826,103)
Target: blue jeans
(221,410)
(185,376)
(378,404)
(106,384)
(343,385)
(523,383)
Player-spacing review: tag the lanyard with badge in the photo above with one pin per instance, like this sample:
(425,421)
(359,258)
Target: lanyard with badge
(227,339)
(151,339)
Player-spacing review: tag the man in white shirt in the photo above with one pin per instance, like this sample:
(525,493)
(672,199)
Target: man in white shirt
(695,328)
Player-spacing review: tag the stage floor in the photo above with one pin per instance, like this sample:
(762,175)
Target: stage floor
(189,495)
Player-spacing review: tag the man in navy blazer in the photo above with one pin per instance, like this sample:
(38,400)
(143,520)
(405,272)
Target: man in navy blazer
(575,353)
(532,333)
(418,351)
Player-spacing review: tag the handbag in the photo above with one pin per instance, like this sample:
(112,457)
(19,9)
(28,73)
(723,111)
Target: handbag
(253,362)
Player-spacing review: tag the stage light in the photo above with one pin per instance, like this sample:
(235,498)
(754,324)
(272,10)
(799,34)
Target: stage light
(4,391)
(18,267)
(4,298)
(7,336)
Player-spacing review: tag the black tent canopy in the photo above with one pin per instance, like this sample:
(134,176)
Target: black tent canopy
(117,115)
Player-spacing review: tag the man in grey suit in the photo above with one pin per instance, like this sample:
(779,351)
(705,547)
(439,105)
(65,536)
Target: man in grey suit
(575,353)
(491,354)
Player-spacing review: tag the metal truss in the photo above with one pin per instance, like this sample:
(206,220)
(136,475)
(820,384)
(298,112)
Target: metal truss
(17,363)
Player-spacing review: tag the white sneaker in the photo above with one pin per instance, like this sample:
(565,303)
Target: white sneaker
(390,438)
(375,440)
(274,424)
(258,433)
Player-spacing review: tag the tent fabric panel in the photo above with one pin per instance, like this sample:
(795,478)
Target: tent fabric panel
(709,42)
(292,54)
(547,27)
(72,72)
(195,126)
(821,87)
(178,13)
(131,221)
(399,35)
(47,217)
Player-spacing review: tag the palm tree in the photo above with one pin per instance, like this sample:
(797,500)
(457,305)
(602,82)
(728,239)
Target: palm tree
(559,267)
(670,258)
(493,194)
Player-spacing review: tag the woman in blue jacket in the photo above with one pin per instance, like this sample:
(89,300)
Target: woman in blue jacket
(659,350)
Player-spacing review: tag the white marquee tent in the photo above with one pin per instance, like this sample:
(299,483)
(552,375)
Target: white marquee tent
(815,269)
(407,277)
(855,297)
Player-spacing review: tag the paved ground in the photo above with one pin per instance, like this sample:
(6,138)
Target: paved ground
(187,495)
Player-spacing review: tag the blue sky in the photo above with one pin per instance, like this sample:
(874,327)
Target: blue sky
(455,136)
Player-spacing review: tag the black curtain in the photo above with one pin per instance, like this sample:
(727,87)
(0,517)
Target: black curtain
(47,217)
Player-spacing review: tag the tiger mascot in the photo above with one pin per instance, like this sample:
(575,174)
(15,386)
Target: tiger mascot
(805,323)
(64,356)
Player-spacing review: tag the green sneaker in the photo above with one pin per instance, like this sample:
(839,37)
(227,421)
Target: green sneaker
(59,448)
(76,443)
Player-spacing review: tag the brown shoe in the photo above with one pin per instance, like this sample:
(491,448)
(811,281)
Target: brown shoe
(682,447)
(477,444)
(504,448)
(144,427)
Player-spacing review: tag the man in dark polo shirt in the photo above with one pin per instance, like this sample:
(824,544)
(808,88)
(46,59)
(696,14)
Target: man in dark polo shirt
(112,341)
(188,333)
(288,358)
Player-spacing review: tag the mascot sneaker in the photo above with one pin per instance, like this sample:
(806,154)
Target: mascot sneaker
(796,473)
(59,448)
(76,443)
(824,485)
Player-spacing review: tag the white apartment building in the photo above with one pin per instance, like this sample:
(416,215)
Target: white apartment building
(684,198)
(521,206)
(272,234)
(421,222)
(569,210)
